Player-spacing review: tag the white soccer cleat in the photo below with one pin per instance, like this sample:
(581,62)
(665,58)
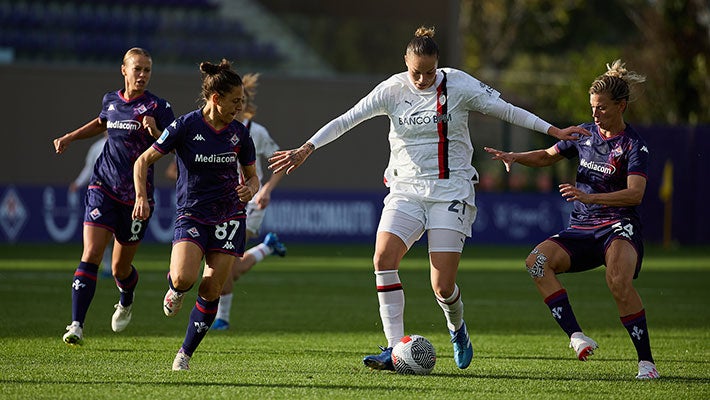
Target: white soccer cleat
(172,303)
(647,370)
(121,317)
(583,345)
(74,335)
(181,362)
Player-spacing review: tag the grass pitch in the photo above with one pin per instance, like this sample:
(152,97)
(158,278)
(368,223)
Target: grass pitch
(301,325)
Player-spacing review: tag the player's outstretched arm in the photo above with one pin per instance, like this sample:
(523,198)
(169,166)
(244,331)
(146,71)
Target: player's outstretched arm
(289,160)
(90,129)
(534,158)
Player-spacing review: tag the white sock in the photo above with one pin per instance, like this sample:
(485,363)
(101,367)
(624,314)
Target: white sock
(453,309)
(225,306)
(260,251)
(391,298)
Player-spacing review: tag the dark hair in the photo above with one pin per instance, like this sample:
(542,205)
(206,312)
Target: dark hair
(220,79)
(423,44)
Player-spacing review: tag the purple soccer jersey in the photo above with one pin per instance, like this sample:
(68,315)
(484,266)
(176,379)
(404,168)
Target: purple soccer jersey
(604,165)
(208,166)
(127,140)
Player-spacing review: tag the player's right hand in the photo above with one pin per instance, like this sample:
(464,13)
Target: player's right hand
(508,158)
(61,144)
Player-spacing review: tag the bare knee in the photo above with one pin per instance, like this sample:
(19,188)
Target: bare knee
(384,262)
(619,286)
(181,281)
(535,263)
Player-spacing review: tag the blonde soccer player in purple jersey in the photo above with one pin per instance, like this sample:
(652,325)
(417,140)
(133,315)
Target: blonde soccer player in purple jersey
(605,227)
(430,177)
(133,118)
(211,149)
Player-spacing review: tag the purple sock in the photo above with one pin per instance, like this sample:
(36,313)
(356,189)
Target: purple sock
(562,312)
(83,289)
(127,287)
(201,318)
(638,331)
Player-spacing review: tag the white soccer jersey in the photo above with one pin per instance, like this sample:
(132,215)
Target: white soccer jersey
(91,156)
(429,136)
(264,144)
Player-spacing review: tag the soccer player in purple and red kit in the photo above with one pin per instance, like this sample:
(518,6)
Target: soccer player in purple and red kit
(133,118)
(210,148)
(605,227)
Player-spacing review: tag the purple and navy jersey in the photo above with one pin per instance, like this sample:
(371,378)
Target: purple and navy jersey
(127,140)
(604,165)
(208,166)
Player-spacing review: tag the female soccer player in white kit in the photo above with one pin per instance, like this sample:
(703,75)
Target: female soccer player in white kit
(430,177)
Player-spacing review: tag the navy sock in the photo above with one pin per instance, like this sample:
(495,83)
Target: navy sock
(562,312)
(638,331)
(83,289)
(201,318)
(127,287)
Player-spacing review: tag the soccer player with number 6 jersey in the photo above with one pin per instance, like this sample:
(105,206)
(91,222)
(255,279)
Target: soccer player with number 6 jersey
(211,148)
(133,118)
(605,226)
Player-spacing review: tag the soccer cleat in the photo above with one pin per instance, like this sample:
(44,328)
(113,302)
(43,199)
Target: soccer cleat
(382,361)
(74,335)
(272,240)
(584,346)
(220,325)
(647,370)
(121,317)
(172,303)
(463,351)
(181,362)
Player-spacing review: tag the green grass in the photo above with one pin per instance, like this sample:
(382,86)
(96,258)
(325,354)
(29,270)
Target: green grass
(301,325)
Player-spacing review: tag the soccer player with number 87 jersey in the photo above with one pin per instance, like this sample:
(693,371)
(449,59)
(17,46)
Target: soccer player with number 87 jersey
(210,148)
(605,227)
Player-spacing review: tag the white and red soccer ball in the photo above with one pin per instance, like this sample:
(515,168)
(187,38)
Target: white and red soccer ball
(414,355)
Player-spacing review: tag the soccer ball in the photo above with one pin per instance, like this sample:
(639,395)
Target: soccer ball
(414,355)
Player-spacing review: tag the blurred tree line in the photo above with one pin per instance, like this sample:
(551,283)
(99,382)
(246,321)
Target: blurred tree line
(541,53)
(550,51)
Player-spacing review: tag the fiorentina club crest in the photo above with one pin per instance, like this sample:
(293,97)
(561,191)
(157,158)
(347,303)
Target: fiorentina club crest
(13,214)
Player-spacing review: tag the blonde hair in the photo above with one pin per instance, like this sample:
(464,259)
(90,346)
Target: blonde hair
(250,81)
(135,51)
(423,44)
(617,82)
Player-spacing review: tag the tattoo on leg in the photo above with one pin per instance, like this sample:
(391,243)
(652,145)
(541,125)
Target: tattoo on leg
(537,270)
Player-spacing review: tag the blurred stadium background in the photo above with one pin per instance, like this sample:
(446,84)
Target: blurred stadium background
(57,58)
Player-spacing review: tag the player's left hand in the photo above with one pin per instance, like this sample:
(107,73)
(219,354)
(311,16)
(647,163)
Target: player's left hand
(288,160)
(150,125)
(141,209)
(569,133)
(262,199)
(572,193)
(244,192)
